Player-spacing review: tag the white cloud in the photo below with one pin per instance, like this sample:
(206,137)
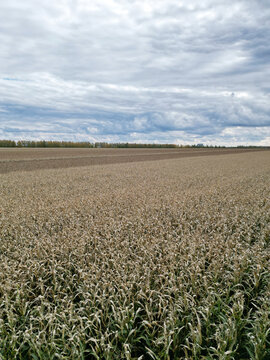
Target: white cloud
(149,69)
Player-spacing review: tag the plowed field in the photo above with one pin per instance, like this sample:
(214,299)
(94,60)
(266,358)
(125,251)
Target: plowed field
(34,159)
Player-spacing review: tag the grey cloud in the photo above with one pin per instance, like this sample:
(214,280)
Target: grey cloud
(143,70)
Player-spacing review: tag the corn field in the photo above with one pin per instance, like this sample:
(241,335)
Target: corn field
(166,259)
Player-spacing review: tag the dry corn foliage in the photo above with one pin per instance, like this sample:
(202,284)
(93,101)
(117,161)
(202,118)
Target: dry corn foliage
(152,260)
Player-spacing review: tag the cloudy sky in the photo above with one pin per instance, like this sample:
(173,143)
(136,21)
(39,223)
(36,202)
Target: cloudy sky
(174,71)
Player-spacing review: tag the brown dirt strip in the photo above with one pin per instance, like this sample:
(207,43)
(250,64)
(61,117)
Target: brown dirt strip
(48,153)
(7,166)
(18,154)
(64,155)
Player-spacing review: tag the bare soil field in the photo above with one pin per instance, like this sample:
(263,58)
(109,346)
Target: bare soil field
(35,159)
(165,259)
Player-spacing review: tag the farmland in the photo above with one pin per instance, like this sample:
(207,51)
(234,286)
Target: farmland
(146,255)
(28,159)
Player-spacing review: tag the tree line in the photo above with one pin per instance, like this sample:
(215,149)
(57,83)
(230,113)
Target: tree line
(72,144)
(86,144)
(45,144)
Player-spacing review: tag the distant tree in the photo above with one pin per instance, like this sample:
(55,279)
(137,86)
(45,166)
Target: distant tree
(7,143)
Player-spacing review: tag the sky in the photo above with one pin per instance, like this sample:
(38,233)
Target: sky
(147,71)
